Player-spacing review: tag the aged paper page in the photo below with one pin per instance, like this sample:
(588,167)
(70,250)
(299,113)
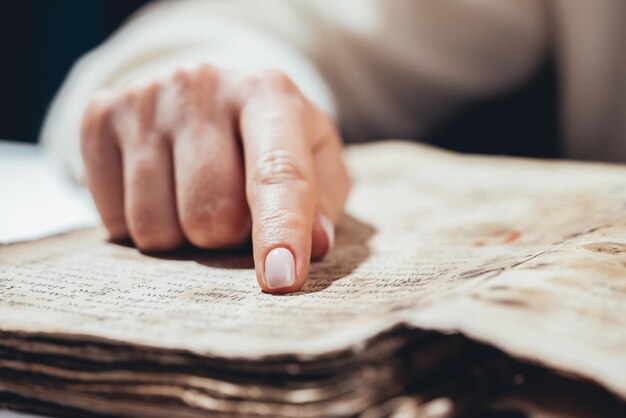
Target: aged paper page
(492,247)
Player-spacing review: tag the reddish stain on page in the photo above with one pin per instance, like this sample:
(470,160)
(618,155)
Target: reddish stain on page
(512,236)
(499,237)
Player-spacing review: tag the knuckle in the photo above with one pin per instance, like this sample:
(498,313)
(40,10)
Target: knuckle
(277,166)
(215,225)
(136,100)
(139,88)
(281,221)
(150,235)
(198,67)
(97,110)
(135,127)
(181,74)
(278,80)
(273,81)
(206,70)
(190,94)
(99,103)
(135,104)
(190,72)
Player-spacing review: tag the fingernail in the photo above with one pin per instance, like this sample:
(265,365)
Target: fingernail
(329,230)
(280,268)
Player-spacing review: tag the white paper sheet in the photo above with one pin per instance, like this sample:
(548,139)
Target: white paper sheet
(36,198)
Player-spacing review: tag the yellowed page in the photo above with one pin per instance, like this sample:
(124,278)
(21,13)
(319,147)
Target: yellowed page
(522,254)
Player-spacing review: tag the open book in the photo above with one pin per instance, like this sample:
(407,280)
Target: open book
(522,255)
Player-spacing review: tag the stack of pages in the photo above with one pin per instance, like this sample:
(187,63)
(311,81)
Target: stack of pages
(455,281)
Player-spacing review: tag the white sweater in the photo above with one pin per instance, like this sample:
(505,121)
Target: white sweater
(384,68)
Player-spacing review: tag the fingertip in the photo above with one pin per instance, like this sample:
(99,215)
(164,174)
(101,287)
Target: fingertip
(329,230)
(280,273)
(117,233)
(323,237)
(319,243)
(280,268)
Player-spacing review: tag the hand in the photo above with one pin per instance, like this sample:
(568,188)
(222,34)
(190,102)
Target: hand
(209,156)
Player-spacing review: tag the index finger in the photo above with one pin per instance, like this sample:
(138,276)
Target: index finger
(280,183)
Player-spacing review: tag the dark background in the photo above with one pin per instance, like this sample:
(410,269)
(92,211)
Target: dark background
(40,39)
